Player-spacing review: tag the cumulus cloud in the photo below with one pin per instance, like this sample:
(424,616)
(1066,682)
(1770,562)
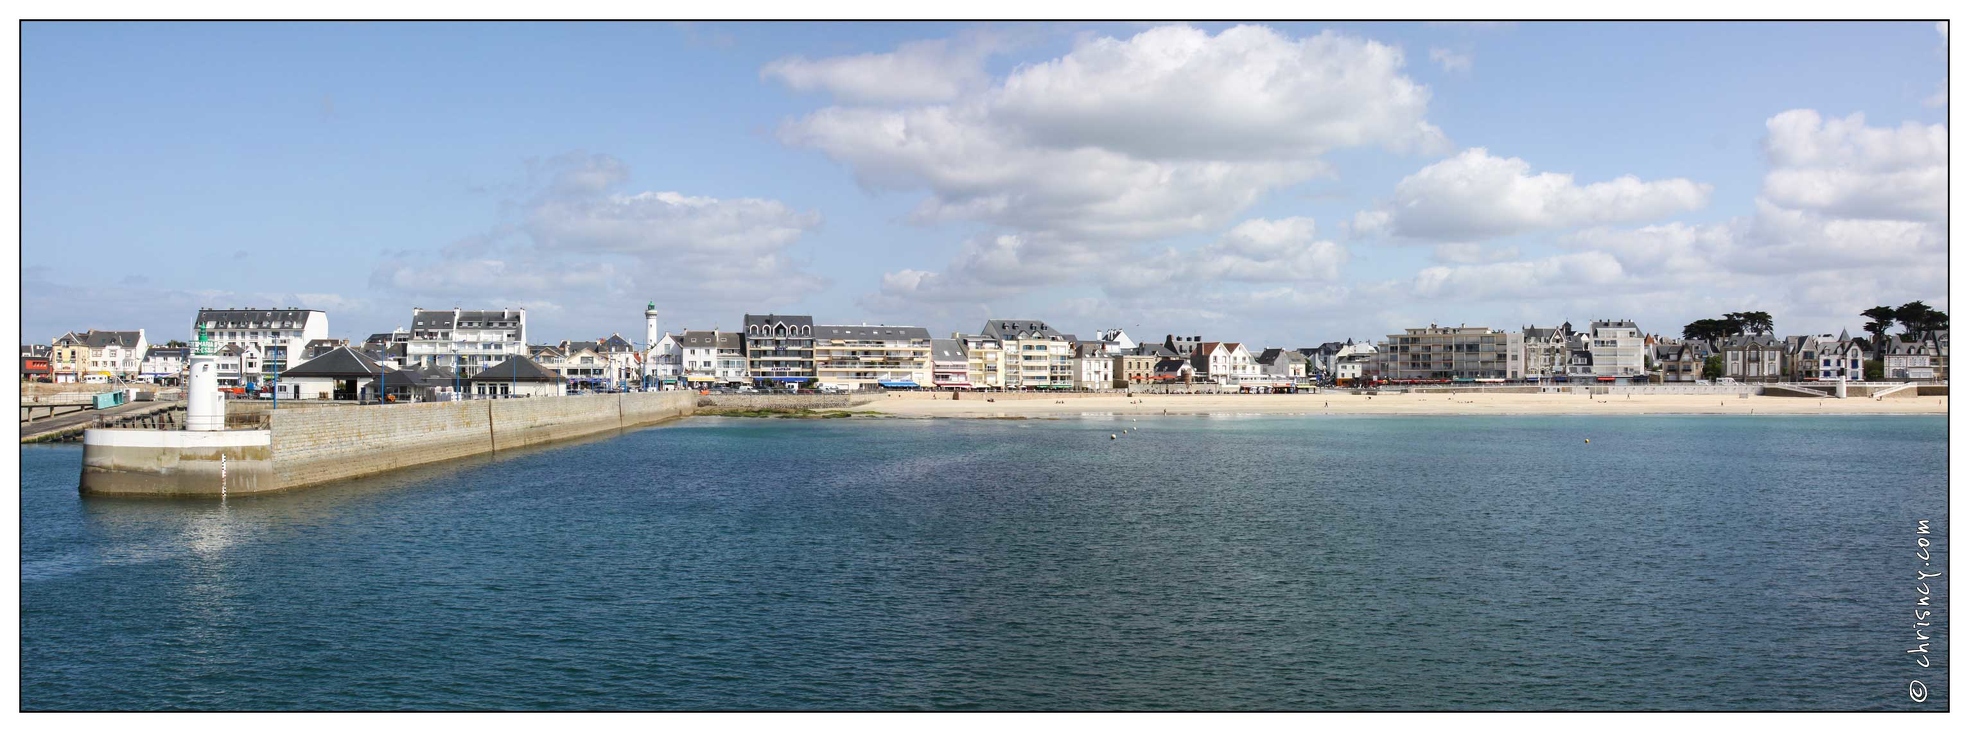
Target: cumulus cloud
(1565,274)
(576,241)
(1475,195)
(1255,251)
(1451,61)
(920,71)
(1842,167)
(1056,155)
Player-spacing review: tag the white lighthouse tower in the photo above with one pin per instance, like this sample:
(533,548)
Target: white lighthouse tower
(650,336)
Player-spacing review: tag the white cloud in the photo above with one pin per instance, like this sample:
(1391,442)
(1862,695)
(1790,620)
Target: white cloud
(1557,276)
(1451,61)
(1475,195)
(1255,251)
(920,71)
(1056,154)
(1841,167)
(1465,253)
(575,244)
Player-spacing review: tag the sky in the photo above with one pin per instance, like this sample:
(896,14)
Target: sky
(1280,184)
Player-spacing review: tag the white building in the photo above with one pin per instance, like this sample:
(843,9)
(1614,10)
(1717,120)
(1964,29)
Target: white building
(465,340)
(869,356)
(1122,343)
(1093,365)
(950,366)
(1228,364)
(713,358)
(1352,360)
(116,354)
(1618,348)
(666,361)
(1033,354)
(1282,367)
(649,378)
(275,337)
(163,365)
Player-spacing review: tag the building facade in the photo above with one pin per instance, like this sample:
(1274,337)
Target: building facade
(1133,369)
(984,358)
(1438,353)
(1753,358)
(1034,355)
(870,356)
(466,341)
(714,358)
(1093,365)
(779,350)
(276,336)
(950,366)
(1619,349)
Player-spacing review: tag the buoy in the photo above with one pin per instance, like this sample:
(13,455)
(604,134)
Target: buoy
(1111,437)
(1589,442)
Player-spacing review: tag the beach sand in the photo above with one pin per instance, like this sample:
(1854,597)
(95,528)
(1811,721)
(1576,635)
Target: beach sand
(975,406)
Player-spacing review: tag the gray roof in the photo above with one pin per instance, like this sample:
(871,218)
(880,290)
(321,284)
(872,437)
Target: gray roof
(343,363)
(616,343)
(872,332)
(1019,329)
(1272,355)
(106,338)
(454,319)
(167,352)
(572,346)
(1158,350)
(517,368)
(1614,324)
(252,317)
(948,349)
(771,319)
(710,339)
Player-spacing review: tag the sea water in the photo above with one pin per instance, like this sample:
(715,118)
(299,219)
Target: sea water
(1286,563)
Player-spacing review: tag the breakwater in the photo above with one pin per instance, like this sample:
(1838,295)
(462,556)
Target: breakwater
(303,447)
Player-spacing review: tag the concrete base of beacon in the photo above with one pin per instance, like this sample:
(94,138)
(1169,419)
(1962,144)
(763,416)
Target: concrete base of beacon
(177,463)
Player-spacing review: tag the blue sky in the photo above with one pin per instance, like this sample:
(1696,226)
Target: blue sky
(1282,185)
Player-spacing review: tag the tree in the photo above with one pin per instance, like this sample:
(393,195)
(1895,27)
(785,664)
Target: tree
(1751,322)
(1709,329)
(1874,371)
(1916,318)
(174,344)
(1880,319)
(1712,367)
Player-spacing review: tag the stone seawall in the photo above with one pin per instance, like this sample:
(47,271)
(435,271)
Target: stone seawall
(312,446)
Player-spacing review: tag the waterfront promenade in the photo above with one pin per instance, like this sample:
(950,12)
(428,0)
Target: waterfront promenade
(976,406)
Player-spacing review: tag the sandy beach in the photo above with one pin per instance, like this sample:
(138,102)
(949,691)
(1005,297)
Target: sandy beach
(975,406)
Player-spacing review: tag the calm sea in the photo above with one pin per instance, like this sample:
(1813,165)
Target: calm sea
(1200,563)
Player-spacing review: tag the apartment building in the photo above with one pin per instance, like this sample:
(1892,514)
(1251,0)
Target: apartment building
(715,358)
(1444,353)
(1035,355)
(1619,349)
(950,366)
(466,341)
(276,336)
(870,356)
(779,349)
(984,358)
(1908,360)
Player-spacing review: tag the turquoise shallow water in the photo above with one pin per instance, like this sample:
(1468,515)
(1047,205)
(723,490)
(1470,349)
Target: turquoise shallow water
(1226,563)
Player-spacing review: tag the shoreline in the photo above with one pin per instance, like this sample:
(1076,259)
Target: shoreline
(1436,405)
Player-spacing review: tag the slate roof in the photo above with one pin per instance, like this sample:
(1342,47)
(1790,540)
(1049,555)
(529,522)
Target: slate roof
(234,318)
(710,339)
(1018,329)
(517,368)
(871,332)
(617,344)
(341,363)
(948,349)
(107,338)
(1271,356)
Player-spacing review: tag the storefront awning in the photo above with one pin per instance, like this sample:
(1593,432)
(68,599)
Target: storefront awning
(898,384)
(700,379)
